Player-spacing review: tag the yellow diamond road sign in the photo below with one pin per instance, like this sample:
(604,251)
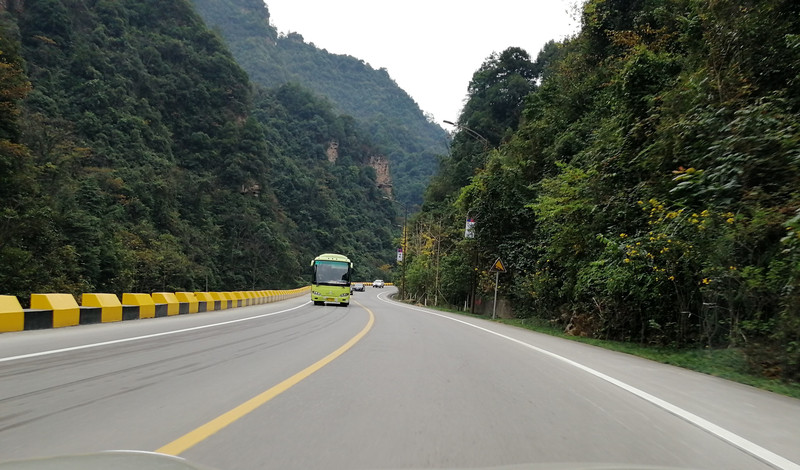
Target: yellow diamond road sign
(498,267)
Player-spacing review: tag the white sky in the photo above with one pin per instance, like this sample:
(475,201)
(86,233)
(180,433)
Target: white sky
(431,48)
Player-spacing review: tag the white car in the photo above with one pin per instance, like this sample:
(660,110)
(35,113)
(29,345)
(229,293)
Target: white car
(378,283)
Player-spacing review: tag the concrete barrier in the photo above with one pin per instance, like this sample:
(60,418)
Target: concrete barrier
(58,310)
(130,312)
(207,299)
(220,301)
(109,304)
(169,299)
(231,299)
(89,315)
(12,318)
(238,299)
(66,311)
(38,319)
(189,300)
(147,307)
(161,310)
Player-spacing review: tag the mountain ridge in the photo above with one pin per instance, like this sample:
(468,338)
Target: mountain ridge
(396,124)
(137,156)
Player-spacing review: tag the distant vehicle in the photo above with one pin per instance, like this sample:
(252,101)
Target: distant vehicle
(359,287)
(378,283)
(330,279)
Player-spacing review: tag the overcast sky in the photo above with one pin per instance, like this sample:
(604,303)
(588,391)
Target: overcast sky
(431,48)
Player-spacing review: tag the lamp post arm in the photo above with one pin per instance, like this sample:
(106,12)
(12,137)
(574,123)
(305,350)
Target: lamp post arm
(471,132)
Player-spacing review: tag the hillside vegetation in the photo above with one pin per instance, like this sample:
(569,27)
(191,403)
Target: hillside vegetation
(136,156)
(392,119)
(641,180)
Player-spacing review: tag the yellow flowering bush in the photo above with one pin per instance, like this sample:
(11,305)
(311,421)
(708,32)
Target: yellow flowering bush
(699,258)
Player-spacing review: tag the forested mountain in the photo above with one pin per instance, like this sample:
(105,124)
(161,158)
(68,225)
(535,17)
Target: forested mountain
(640,180)
(136,156)
(392,119)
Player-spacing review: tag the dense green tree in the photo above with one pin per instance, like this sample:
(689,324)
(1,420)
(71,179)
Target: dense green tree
(135,156)
(497,93)
(647,190)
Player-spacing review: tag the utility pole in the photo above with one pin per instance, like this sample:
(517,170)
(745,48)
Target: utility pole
(438,254)
(469,232)
(403,247)
(474,279)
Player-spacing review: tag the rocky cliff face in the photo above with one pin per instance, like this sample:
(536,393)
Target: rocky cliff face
(381,165)
(332,151)
(379,162)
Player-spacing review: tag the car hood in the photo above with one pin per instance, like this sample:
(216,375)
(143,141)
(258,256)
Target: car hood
(117,459)
(137,460)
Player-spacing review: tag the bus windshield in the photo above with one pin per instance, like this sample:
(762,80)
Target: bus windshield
(331,273)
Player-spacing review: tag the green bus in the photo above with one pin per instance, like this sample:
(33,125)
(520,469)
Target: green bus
(330,279)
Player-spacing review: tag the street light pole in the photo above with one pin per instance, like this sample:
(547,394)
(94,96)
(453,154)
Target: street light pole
(486,144)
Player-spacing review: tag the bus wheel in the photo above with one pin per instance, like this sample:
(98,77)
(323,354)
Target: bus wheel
(319,302)
(345,304)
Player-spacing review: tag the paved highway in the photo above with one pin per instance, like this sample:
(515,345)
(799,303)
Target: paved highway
(374,385)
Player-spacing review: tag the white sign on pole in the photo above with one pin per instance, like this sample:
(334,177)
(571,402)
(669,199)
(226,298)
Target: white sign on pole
(469,229)
(399,254)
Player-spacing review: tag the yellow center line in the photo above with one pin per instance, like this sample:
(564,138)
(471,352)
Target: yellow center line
(192,438)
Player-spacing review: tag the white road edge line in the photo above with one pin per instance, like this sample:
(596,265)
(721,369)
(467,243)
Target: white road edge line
(136,338)
(751,448)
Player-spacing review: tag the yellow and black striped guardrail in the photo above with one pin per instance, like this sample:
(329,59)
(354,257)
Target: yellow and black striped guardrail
(59,310)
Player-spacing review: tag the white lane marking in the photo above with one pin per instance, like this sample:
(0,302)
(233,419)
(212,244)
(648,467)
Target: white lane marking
(750,447)
(136,338)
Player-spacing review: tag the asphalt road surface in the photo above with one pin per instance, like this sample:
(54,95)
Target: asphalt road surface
(378,384)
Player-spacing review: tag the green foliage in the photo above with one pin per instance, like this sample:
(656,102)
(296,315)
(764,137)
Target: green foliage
(142,160)
(496,94)
(648,191)
(397,127)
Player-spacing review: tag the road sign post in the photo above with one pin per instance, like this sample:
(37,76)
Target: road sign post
(494,305)
(498,267)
